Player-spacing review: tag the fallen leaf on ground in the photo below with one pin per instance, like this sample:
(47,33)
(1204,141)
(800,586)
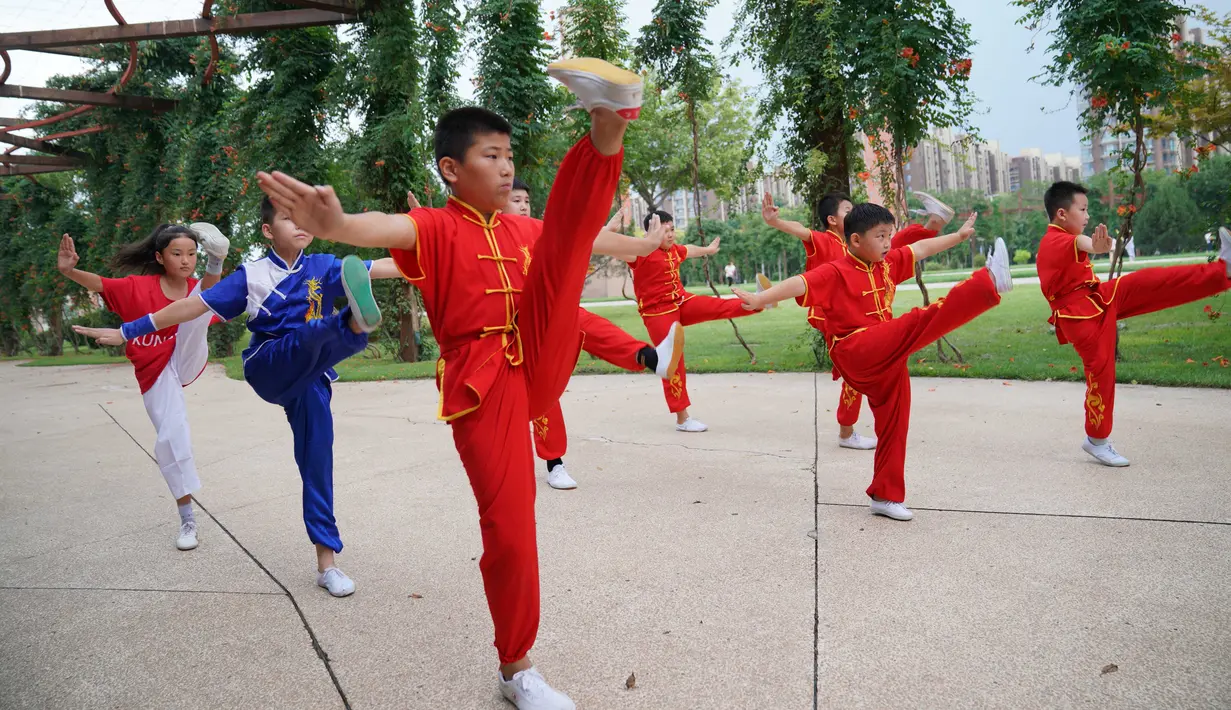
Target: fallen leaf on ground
(1007,384)
(416,596)
(931,389)
(1110,668)
(632,681)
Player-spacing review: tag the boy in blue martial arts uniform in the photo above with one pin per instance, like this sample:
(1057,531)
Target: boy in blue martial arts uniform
(296,340)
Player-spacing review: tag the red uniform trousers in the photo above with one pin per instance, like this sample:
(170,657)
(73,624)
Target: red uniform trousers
(1134,294)
(849,400)
(874,361)
(604,340)
(695,309)
(492,441)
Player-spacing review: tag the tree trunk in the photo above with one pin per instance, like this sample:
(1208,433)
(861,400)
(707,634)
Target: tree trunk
(1137,195)
(899,201)
(408,331)
(696,192)
(55,331)
(837,174)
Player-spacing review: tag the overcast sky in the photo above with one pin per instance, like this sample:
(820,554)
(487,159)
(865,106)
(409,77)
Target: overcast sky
(1011,109)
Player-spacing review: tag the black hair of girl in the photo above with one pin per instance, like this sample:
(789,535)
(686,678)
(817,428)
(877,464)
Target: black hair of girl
(138,257)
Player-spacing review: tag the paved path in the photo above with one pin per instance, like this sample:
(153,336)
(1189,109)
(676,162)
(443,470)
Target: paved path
(733,569)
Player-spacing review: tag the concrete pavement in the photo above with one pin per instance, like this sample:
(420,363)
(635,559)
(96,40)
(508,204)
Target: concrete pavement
(733,569)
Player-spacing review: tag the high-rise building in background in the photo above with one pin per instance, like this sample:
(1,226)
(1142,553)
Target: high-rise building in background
(1100,152)
(945,162)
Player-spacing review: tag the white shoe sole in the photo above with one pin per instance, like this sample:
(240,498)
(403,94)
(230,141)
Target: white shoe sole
(853,447)
(600,84)
(182,548)
(212,241)
(677,353)
(885,514)
(1110,464)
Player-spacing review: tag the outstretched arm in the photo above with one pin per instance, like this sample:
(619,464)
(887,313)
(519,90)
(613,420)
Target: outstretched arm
(927,247)
(384,269)
(696,252)
(1100,242)
(66,262)
(317,210)
(611,243)
(181,311)
(793,287)
(769,213)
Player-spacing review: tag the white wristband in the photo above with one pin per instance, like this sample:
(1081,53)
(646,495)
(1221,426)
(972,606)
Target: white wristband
(213,265)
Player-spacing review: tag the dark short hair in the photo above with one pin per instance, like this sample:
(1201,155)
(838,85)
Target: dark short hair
(829,204)
(519,184)
(1060,196)
(663,217)
(458,129)
(267,211)
(863,217)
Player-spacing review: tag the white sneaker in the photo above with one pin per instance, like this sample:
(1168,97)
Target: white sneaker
(855,441)
(1106,454)
(599,84)
(692,426)
(188,536)
(336,581)
(764,284)
(670,352)
(559,479)
(889,509)
(1224,251)
(998,265)
(212,240)
(528,690)
(935,206)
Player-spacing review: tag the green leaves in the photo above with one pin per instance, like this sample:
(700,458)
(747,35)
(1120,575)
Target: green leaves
(674,44)
(511,80)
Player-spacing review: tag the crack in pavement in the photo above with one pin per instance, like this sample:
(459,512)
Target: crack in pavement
(134,589)
(694,448)
(316,644)
(816,544)
(1028,514)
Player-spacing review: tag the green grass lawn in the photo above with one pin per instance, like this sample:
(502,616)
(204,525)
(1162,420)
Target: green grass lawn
(948,276)
(1180,346)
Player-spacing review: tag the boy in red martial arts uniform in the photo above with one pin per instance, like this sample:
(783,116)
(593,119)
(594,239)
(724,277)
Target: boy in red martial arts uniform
(870,347)
(830,245)
(600,338)
(1085,310)
(506,323)
(663,302)
(605,341)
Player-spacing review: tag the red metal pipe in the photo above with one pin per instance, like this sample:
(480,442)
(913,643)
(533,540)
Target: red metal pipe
(7,66)
(128,72)
(78,132)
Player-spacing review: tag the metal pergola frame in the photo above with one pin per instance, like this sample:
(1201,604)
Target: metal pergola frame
(86,42)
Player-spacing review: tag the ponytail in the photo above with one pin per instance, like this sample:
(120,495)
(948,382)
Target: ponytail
(139,257)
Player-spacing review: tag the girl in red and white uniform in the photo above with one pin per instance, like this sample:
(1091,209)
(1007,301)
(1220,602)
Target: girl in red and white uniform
(168,360)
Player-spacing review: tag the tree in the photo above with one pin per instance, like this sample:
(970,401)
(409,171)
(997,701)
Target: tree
(391,154)
(798,48)
(1207,114)
(1169,221)
(444,43)
(1131,64)
(908,73)
(1208,189)
(656,161)
(674,44)
(511,79)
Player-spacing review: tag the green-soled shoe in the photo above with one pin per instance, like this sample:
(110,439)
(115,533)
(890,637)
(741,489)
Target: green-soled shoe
(358,286)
